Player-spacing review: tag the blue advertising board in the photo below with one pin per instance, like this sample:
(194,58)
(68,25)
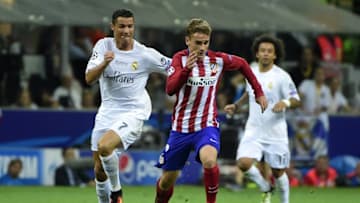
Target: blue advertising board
(32,161)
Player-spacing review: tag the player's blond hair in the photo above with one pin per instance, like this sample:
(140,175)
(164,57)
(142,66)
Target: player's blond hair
(198,25)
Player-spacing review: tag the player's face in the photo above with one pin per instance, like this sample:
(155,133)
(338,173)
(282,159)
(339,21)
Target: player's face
(198,42)
(123,29)
(266,54)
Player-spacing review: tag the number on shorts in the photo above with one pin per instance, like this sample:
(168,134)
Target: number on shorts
(124,125)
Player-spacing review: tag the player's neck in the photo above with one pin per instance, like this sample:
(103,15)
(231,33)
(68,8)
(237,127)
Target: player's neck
(265,67)
(125,46)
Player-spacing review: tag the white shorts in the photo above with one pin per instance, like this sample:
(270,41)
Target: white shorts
(277,155)
(127,127)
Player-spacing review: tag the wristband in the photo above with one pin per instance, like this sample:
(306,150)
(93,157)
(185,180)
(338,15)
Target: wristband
(287,102)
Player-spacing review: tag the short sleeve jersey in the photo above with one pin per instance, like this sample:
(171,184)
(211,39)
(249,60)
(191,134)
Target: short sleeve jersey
(122,84)
(277,85)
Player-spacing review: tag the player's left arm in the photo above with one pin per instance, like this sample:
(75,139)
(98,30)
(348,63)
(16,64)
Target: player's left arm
(158,62)
(291,98)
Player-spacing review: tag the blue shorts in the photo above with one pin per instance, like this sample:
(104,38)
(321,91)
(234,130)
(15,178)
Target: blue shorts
(179,146)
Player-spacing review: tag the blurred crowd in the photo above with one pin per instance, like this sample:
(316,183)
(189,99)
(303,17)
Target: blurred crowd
(55,85)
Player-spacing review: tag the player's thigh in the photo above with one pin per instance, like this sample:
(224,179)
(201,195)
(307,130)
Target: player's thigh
(207,145)
(128,128)
(249,148)
(96,135)
(277,155)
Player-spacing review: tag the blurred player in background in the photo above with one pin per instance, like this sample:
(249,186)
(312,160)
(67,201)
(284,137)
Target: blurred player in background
(122,66)
(193,77)
(266,134)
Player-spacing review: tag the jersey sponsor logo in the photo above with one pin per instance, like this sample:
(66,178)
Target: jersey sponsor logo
(120,78)
(135,65)
(201,81)
(170,71)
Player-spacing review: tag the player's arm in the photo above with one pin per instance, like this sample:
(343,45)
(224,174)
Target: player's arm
(232,62)
(93,74)
(158,62)
(236,106)
(291,97)
(98,61)
(177,74)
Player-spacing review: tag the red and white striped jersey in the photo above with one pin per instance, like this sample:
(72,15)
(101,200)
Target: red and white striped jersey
(195,107)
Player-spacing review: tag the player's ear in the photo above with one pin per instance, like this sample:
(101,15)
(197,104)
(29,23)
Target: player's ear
(187,40)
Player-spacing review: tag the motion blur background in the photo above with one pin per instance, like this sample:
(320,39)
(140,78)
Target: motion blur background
(46,106)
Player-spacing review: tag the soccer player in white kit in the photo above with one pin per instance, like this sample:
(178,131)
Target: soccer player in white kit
(122,66)
(266,133)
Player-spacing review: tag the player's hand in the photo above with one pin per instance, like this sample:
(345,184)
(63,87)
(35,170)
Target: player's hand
(230,109)
(262,102)
(108,57)
(191,60)
(279,107)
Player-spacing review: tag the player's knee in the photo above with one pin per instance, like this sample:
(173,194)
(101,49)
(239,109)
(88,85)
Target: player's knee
(244,164)
(209,163)
(104,149)
(168,180)
(278,172)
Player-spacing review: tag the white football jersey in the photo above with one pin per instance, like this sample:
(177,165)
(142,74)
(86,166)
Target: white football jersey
(122,84)
(270,127)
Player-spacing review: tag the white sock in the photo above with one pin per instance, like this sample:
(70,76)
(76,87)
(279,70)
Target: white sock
(103,191)
(284,188)
(254,174)
(111,167)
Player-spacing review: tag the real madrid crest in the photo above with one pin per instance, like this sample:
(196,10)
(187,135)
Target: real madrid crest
(270,85)
(134,65)
(214,67)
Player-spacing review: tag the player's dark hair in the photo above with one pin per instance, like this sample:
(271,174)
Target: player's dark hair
(15,161)
(278,45)
(122,13)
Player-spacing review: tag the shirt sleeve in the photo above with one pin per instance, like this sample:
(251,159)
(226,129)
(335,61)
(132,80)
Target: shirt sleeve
(157,61)
(288,88)
(232,62)
(97,55)
(177,75)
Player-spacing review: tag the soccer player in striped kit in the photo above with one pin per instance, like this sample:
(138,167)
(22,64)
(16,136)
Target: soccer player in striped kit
(193,77)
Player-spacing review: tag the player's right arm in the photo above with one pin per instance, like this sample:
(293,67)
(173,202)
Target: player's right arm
(177,74)
(236,106)
(100,59)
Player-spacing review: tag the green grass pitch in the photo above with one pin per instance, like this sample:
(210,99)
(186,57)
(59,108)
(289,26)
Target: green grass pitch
(182,194)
